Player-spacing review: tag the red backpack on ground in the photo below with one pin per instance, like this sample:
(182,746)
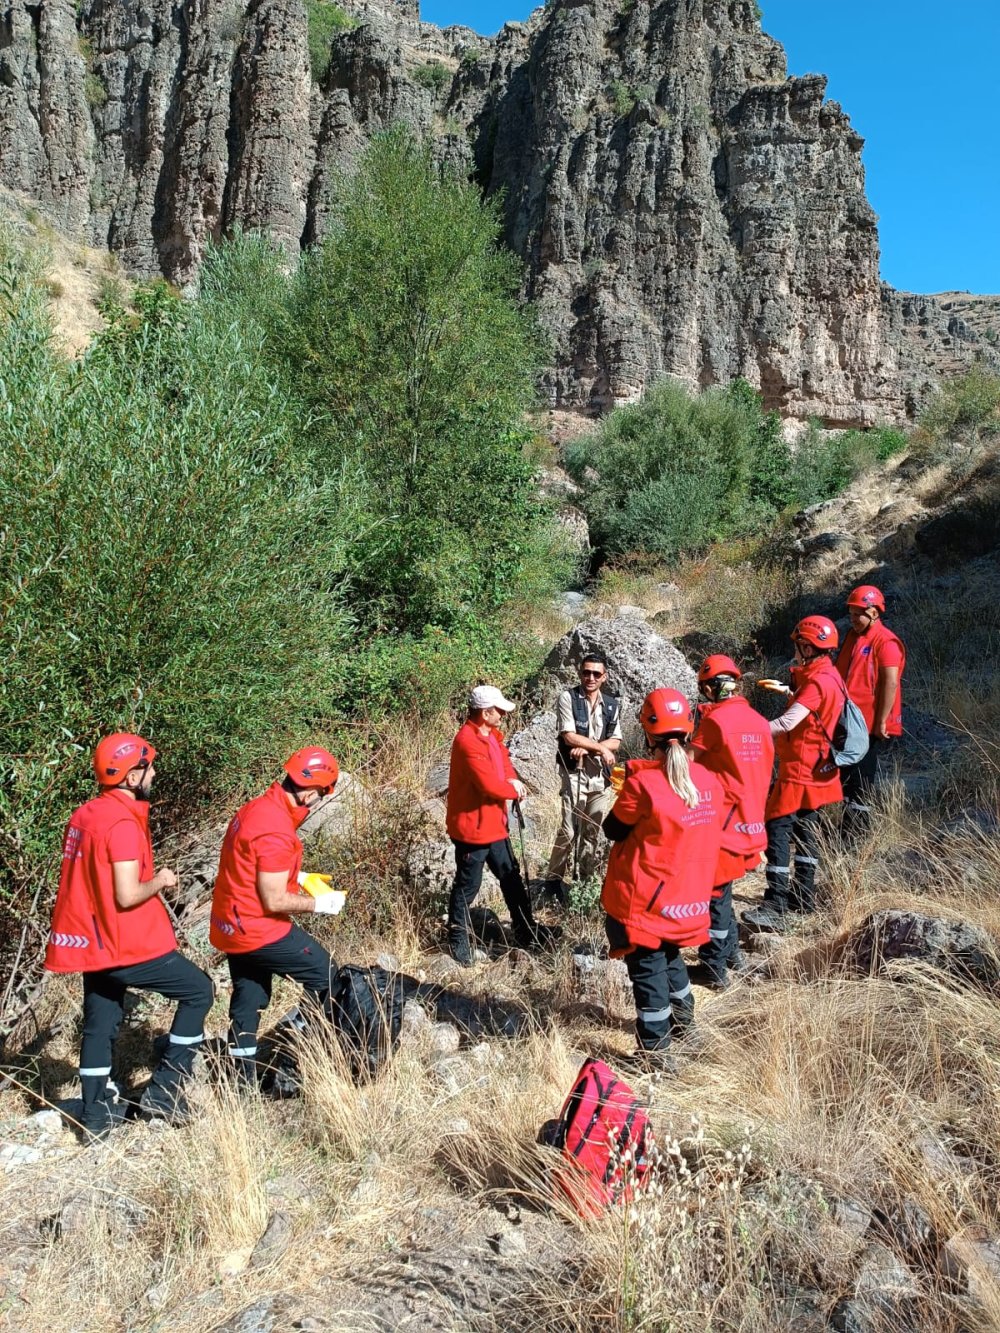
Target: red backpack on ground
(605,1137)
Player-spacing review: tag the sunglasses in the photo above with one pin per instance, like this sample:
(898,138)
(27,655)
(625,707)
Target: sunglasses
(597,674)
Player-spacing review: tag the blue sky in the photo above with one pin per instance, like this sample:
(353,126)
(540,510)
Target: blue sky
(919,80)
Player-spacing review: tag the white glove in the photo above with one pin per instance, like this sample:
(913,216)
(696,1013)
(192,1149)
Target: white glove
(329,904)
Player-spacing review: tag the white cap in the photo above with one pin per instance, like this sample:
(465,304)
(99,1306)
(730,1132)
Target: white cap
(488,696)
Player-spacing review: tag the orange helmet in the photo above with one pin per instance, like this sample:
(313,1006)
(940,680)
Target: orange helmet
(867,596)
(118,754)
(818,631)
(313,767)
(718,665)
(664,712)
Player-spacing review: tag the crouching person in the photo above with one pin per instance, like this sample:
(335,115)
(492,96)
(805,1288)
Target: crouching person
(667,827)
(110,923)
(257,891)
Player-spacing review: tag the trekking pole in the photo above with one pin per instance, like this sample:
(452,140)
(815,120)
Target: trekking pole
(577,823)
(519,813)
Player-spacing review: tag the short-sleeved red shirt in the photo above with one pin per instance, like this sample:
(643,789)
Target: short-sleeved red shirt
(261,836)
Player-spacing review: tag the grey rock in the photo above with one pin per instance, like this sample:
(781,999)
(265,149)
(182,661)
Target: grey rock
(444,1038)
(274,1240)
(639,660)
(852,1216)
(533,754)
(972,1264)
(960,949)
(430,866)
(885,1295)
(509,1244)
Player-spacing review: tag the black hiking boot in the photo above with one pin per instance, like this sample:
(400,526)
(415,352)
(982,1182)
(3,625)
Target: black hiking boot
(768,919)
(460,946)
(163,1097)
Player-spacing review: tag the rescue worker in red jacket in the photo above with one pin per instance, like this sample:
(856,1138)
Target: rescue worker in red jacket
(808,779)
(481,781)
(259,887)
(667,829)
(734,741)
(110,923)
(871,662)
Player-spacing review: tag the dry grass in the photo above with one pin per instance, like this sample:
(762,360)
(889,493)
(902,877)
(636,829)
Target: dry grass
(810,1098)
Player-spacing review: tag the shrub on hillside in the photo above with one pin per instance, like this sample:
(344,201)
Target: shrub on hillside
(967,406)
(824,463)
(160,554)
(403,336)
(325,19)
(675,471)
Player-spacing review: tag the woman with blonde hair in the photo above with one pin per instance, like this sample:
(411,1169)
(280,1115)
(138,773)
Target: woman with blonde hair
(667,828)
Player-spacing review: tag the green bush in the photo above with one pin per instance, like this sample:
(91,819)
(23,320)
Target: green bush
(403,335)
(965,407)
(325,19)
(434,75)
(824,464)
(159,554)
(675,471)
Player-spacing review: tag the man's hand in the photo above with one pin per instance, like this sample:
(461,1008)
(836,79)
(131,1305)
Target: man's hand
(880,732)
(578,752)
(166,879)
(329,904)
(607,756)
(520,788)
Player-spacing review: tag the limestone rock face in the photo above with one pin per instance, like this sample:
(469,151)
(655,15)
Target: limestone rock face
(681,205)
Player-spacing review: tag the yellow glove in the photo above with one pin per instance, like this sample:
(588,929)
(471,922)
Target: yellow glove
(314,884)
(618,777)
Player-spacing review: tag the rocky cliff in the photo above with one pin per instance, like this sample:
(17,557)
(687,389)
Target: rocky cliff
(682,206)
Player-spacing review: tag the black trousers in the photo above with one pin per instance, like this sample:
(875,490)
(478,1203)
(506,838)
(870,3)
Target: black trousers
(723,933)
(664,1001)
(470,858)
(859,781)
(788,891)
(296,955)
(172,975)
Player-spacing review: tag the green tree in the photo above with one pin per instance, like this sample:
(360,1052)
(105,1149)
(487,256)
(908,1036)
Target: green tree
(418,363)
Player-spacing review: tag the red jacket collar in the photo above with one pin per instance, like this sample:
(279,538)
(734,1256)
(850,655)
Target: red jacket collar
(295,814)
(139,810)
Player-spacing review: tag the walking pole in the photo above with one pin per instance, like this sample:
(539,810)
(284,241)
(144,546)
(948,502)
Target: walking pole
(519,813)
(577,822)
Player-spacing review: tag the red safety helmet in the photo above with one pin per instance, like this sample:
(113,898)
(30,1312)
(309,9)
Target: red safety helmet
(664,712)
(117,755)
(867,596)
(818,631)
(718,665)
(313,767)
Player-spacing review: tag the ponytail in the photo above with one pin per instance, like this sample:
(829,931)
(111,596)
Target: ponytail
(675,766)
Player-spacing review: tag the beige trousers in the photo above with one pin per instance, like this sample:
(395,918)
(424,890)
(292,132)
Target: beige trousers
(584,805)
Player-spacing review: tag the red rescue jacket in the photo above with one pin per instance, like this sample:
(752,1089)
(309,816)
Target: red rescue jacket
(261,836)
(859,661)
(807,777)
(479,787)
(660,877)
(90,932)
(734,741)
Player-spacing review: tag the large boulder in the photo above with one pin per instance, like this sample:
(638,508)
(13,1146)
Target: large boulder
(639,660)
(962,950)
(533,752)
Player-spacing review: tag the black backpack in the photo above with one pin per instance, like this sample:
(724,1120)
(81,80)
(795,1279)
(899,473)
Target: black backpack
(366,1005)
